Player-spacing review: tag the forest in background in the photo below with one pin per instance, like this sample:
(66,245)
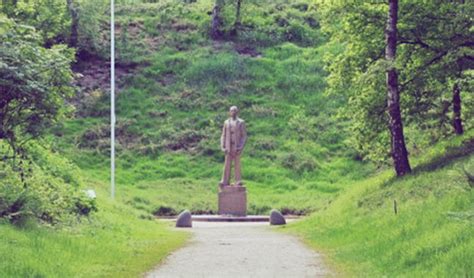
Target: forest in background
(310,80)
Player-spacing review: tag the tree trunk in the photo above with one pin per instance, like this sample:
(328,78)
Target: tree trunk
(74,23)
(457,122)
(398,148)
(216,21)
(237,15)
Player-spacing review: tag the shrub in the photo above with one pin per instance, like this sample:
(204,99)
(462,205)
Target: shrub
(44,187)
(94,32)
(265,144)
(165,211)
(300,163)
(49,17)
(35,81)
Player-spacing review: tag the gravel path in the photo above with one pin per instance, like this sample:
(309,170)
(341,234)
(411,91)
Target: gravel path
(241,250)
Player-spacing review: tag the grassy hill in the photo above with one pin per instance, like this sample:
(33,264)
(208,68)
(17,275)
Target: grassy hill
(432,234)
(174,96)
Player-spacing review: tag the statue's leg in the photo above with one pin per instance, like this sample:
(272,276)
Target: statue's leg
(226,174)
(238,178)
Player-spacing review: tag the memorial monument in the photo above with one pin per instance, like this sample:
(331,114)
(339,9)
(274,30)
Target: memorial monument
(232,197)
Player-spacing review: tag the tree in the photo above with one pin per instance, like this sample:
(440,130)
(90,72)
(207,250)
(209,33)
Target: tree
(73,37)
(34,83)
(434,50)
(457,122)
(398,148)
(216,21)
(49,17)
(237,22)
(436,42)
(93,28)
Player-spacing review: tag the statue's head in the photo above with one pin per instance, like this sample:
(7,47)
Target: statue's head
(233,111)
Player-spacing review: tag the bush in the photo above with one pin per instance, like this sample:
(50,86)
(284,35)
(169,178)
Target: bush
(165,211)
(45,188)
(298,162)
(49,17)
(94,32)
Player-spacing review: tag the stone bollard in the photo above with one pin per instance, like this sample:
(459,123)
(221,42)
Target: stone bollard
(276,218)
(184,220)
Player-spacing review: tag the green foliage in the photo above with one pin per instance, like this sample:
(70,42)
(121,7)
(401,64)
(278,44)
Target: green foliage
(433,54)
(52,21)
(46,187)
(48,17)
(94,27)
(35,81)
(35,85)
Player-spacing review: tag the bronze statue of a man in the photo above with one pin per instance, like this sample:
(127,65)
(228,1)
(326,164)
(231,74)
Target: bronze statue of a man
(234,136)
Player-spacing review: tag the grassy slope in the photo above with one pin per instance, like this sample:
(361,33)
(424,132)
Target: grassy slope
(431,236)
(116,242)
(170,111)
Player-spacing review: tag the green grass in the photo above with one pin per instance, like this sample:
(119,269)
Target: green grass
(118,241)
(431,236)
(180,181)
(170,111)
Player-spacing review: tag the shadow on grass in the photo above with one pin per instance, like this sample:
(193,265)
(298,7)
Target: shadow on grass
(447,157)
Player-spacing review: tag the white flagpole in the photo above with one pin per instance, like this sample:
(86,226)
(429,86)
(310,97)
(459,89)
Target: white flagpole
(112,100)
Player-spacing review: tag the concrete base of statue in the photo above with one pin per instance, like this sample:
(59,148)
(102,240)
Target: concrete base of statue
(232,200)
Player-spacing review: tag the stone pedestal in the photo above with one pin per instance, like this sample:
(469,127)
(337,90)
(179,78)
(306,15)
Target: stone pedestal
(233,200)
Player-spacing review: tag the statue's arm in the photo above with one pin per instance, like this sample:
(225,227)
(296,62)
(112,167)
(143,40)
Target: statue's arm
(243,138)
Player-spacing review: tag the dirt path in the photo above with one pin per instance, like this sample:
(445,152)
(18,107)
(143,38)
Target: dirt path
(241,250)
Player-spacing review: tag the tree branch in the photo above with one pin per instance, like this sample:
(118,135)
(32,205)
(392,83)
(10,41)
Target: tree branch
(426,65)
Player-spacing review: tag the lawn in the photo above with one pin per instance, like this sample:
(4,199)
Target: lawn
(432,234)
